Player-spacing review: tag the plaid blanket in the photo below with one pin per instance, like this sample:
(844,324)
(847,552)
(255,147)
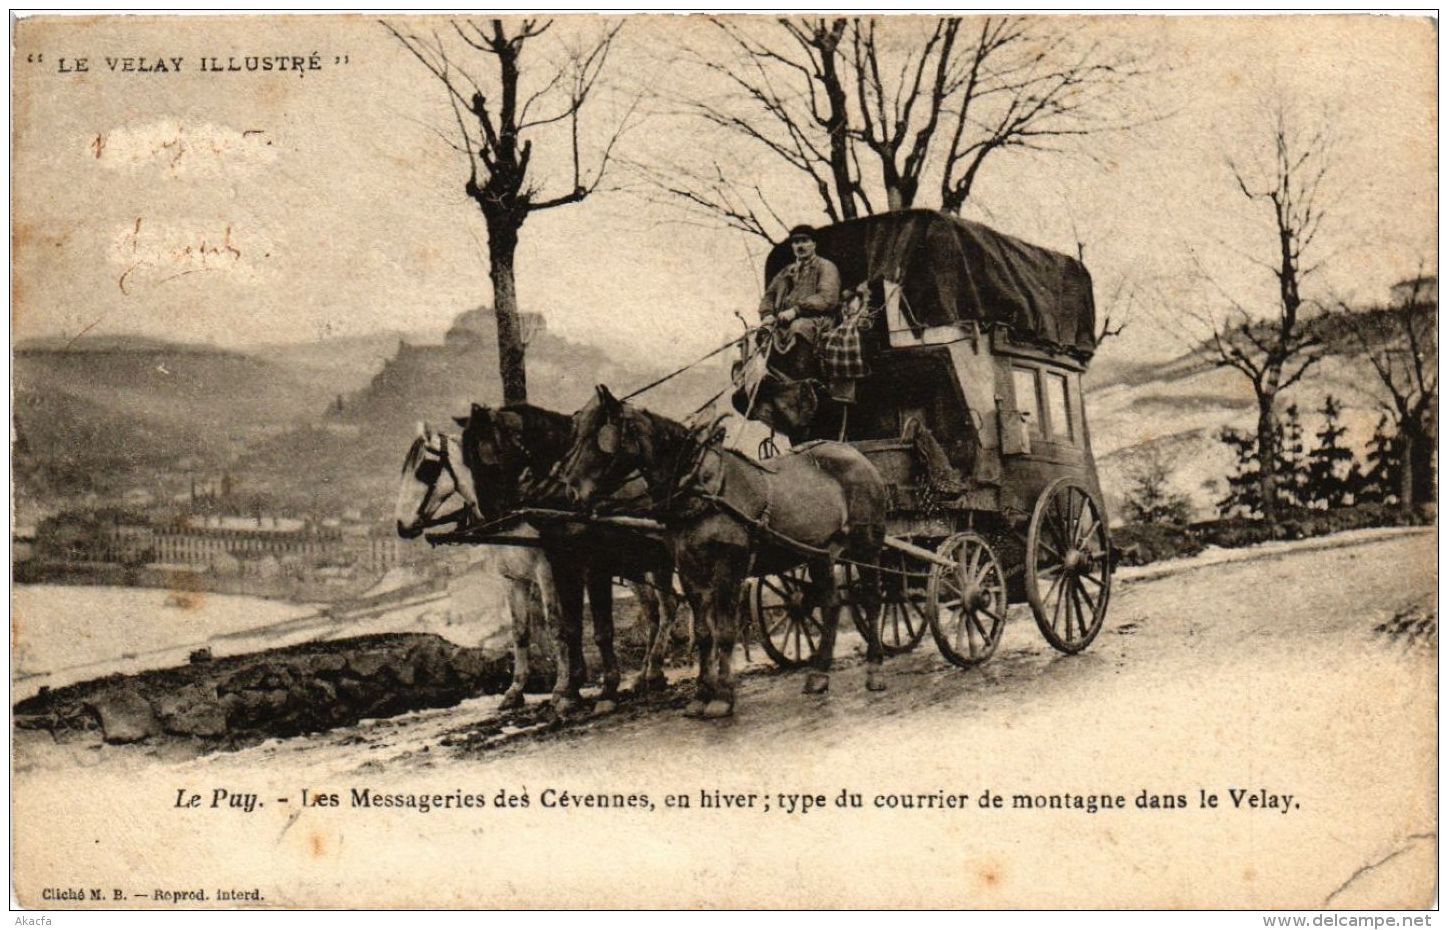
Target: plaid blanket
(842,353)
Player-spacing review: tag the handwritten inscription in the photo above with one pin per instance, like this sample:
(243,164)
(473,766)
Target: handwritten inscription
(150,255)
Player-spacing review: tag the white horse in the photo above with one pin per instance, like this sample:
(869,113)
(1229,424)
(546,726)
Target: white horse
(433,477)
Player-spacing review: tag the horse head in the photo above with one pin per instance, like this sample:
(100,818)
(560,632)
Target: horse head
(612,440)
(510,451)
(431,478)
(604,449)
(494,457)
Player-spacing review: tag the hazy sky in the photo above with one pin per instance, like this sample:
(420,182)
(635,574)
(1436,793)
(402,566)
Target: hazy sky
(247,207)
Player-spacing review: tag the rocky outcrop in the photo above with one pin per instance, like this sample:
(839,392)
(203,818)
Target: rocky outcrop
(285,692)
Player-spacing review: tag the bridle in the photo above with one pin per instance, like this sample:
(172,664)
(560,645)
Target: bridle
(611,438)
(465,511)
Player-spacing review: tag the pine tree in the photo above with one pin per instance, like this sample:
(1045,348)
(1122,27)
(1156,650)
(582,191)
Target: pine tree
(1150,498)
(1332,473)
(1385,455)
(1292,480)
(1243,495)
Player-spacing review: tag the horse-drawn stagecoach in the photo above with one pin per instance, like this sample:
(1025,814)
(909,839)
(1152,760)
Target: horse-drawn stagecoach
(953,479)
(981,340)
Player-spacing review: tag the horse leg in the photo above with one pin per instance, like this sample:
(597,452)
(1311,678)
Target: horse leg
(668,604)
(868,593)
(521,607)
(600,605)
(728,576)
(571,670)
(822,579)
(704,643)
(651,676)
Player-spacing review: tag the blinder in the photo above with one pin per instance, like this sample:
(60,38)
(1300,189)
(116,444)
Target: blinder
(607,438)
(428,471)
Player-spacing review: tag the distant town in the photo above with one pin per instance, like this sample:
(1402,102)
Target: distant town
(208,539)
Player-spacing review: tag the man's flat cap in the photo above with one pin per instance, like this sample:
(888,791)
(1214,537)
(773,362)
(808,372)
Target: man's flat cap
(803,231)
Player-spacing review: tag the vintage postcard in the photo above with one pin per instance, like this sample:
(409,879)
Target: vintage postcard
(666,461)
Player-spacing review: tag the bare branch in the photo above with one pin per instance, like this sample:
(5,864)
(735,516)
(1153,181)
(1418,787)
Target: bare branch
(495,134)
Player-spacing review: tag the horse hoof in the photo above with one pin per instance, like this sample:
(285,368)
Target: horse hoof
(717,709)
(512,699)
(695,708)
(816,683)
(564,705)
(874,680)
(653,685)
(600,708)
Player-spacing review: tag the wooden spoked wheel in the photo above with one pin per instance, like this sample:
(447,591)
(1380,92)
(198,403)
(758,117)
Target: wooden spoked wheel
(1068,565)
(785,612)
(902,619)
(967,603)
(903,613)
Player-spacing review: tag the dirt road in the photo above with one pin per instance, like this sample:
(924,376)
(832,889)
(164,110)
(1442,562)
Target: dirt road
(1295,686)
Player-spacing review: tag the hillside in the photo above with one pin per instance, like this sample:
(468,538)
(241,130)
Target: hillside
(350,458)
(65,445)
(216,394)
(338,365)
(1180,407)
(91,414)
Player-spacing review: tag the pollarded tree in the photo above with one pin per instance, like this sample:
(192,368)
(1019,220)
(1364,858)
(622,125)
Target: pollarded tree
(500,104)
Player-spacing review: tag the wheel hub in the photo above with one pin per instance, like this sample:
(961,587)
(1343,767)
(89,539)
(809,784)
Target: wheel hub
(1074,561)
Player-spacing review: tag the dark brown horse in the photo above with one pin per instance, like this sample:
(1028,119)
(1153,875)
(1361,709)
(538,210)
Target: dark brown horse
(508,454)
(729,518)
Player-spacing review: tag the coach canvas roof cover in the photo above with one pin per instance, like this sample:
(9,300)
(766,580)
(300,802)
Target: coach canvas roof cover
(953,269)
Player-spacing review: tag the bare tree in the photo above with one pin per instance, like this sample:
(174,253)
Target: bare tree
(1117,306)
(495,130)
(1031,87)
(1117,309)
(889,113)
(713,194)
(861,110)
(1401,343)
(1275,351)
(786,99)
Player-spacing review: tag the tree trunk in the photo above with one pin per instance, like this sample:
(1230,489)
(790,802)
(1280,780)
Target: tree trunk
(837,127)
(502,244)
(1415,470)
(1267,458)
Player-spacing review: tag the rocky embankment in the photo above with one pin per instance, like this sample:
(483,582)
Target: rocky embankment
(282,692)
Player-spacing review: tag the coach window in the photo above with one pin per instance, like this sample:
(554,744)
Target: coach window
(1028,398)
(1059,406)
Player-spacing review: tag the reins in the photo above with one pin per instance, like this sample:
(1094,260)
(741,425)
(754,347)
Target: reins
(678,371)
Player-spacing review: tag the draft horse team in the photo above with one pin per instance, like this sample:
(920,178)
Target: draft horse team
(939,469)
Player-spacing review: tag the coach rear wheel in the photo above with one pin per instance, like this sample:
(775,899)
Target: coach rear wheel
(966,603)
(1068,565)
